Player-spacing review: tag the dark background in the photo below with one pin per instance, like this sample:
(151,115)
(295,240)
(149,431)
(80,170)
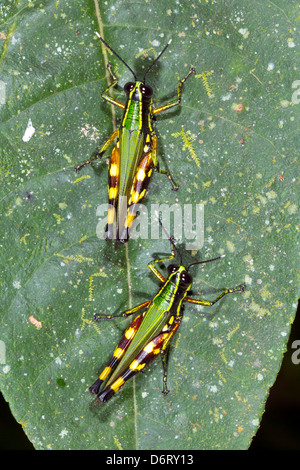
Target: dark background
(279,429)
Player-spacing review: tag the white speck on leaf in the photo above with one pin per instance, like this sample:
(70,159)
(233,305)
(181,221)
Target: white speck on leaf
(63,433)
(6,369)
(244,32)
(291,42)
(30,130)
(17,285)
(155,43)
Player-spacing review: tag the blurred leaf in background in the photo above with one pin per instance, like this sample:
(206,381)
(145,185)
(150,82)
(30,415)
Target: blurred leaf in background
(232,146)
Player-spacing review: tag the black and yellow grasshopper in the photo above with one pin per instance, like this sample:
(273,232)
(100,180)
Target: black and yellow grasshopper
(151,332)
(134,157)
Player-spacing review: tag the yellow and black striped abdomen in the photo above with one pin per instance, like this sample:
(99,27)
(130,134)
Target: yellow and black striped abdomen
(144,358)
(113,191)
(138,190)
(118,353)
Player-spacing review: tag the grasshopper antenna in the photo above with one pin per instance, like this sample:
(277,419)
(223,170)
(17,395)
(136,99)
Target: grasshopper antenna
(171,239)
(205,261)
(117,55)
(157,58)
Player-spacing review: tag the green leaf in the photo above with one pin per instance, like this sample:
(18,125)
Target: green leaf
(232,146)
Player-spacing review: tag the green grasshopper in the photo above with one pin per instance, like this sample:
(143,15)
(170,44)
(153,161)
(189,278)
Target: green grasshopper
(134,156)
(151,332)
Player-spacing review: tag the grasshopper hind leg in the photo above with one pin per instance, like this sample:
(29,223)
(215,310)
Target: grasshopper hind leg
(94,389)
(99,154)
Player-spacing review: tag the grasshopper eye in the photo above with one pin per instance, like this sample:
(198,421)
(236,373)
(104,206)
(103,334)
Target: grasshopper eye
(128,87)
(185,278)
(172,268)
(146,91)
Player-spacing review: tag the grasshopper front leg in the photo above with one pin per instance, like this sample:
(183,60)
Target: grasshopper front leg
(107,97)
(152,264)
(173,103)
(210,303)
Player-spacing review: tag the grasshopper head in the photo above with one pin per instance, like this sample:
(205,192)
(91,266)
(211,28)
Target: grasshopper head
(180,276)
(138,90)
